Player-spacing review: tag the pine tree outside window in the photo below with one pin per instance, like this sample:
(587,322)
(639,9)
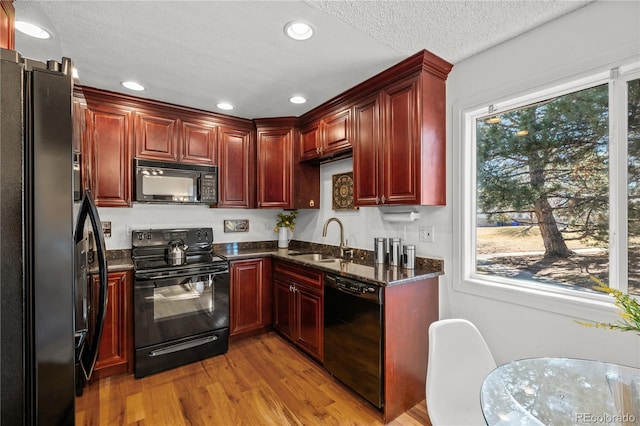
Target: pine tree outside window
(555,194)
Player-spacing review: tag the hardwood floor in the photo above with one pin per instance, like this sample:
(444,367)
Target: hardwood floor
(262,380)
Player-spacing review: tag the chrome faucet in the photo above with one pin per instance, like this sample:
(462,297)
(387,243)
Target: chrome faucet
(343,247)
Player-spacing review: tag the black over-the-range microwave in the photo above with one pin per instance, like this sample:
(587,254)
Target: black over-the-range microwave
(162,182)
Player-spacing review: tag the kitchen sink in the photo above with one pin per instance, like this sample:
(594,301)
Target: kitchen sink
(332,261)
(315,257)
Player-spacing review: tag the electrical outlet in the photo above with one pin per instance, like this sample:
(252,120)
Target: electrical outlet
(106,229)
(425,234)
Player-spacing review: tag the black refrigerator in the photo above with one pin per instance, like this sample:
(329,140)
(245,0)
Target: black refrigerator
(51,315)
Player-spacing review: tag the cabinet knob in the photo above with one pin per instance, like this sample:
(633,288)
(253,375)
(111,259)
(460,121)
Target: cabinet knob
(377,200)
(383,199)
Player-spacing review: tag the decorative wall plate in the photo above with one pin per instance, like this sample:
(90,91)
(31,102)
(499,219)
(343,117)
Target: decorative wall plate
(342,190)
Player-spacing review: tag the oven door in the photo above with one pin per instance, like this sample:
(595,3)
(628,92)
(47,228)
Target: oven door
(173,307)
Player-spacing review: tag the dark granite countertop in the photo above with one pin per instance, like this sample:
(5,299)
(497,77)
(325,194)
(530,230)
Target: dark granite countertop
(362,268)
(117,261)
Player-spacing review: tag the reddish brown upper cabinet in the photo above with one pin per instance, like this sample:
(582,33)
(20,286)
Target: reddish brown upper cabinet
(236,174)
(7,24)
(366,153)
(115,351)
(282,182)
(327,137)
(166,135)
(107,153)
(251,295)
(399,134)
(156,136)
(399,145)
(198,143)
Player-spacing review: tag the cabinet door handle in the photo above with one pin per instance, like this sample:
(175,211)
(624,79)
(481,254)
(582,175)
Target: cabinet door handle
(377,200)
(383,199)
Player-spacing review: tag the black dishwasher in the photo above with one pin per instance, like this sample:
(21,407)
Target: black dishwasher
(353,335)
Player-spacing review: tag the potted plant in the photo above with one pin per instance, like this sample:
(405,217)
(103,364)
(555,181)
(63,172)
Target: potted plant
(630,310)
(285,224)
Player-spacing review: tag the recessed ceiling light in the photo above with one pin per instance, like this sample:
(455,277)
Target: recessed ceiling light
(297,99)
(298,30)
(224,105)
(31,30)
(132,85)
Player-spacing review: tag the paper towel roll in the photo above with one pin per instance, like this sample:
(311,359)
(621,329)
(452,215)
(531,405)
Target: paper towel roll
(400,217)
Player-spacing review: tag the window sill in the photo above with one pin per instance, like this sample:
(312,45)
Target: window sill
(587,306)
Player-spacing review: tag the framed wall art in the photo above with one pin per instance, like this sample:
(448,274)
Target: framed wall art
(342,191)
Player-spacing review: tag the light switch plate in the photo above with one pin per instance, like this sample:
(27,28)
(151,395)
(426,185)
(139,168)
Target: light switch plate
(236,225)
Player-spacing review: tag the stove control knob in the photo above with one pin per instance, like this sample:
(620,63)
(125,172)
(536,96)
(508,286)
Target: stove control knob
(198,235)
(148,235)
(140,235)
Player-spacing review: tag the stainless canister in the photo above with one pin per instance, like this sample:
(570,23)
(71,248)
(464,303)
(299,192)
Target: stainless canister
(380,250)
(395,252)
(409,256)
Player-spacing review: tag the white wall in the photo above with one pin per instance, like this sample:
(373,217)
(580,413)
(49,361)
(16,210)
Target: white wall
(145,216)
(524,325)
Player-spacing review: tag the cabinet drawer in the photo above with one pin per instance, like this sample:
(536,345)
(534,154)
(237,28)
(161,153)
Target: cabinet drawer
(301,275)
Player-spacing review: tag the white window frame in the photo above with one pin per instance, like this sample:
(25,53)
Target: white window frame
(530,293)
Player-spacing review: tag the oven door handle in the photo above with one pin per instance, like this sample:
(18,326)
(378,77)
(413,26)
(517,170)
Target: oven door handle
(154,276)
(182,346)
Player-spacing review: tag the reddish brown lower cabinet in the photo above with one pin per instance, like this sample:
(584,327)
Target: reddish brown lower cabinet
(107,153)
(250,298)
(298,306)
(115,353)
(409,310)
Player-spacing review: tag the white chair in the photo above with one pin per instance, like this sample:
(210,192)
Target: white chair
(459,360)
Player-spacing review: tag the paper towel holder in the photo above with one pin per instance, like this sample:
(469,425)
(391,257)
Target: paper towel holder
(401,216)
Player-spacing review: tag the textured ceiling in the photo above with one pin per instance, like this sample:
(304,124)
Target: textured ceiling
(199,53)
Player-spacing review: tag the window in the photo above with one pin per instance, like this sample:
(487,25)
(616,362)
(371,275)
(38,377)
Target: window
(555,180)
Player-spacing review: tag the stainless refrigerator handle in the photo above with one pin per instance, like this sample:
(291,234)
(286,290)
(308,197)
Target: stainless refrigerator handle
(88,209)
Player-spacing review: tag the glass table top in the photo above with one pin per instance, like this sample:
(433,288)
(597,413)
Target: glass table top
(561,391)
